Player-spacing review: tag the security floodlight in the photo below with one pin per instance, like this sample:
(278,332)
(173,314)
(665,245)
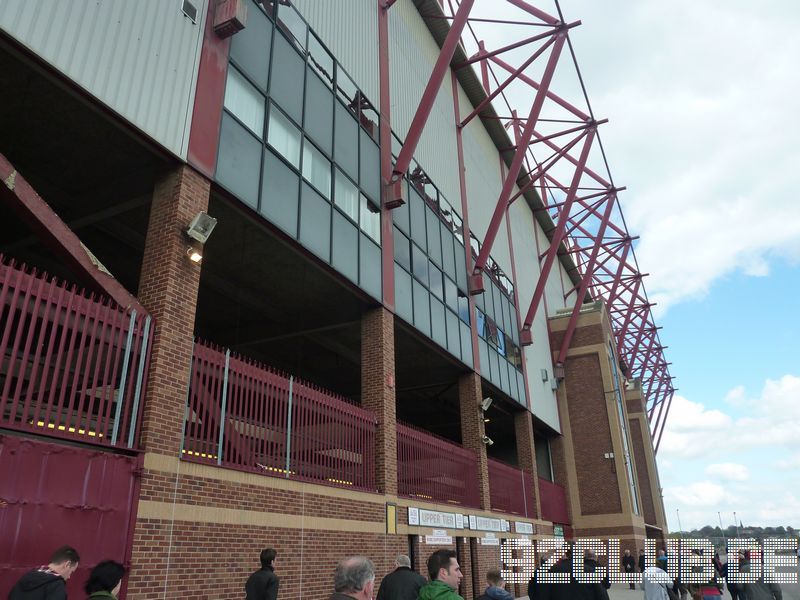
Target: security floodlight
(201,227)
(487,402)
(487,440)
(194,255)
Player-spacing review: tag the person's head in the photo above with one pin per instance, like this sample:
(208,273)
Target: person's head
(590,554)
(105,577)
(267,557)
(662,553)
(402,561)
(64,561)
(355,576)
(443,566)
(661,562)
(627,552)
(641,551)
(494,578)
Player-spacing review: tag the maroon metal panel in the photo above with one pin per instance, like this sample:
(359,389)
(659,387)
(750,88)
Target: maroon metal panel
(331,440)
(435,469)
(54,495)
(510,489)
(554,502)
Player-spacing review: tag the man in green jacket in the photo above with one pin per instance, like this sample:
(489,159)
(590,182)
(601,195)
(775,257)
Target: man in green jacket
(445,575)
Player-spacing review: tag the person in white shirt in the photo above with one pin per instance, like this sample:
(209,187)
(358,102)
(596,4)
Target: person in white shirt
(656,582)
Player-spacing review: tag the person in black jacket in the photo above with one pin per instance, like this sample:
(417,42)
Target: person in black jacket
(263,584)
(574,590)
(642,562)
(402,583)
(629,565)
(48,582)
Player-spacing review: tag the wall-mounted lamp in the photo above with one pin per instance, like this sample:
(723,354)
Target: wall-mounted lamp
(201,227)
(486,403)
(194,255)
(545,375)
(487,440)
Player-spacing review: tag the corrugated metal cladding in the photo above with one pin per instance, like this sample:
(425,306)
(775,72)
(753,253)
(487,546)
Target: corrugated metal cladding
(412,54)
(349,28)
(139,58)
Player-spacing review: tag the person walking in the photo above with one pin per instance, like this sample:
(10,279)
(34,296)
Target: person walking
(656,582)
(105,580)
(629,565)
(573,590)
(642,561)
(402,583)
(354,579)
(263,584)
(48,582)
(445,576)
(496,588)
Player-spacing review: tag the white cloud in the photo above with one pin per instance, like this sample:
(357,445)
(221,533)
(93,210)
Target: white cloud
(728,471)
(699,494)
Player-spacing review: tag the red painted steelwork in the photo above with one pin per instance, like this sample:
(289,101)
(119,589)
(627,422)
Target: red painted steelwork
(433,469)
(511,490)
(387,228)
(553,499)
(274,425)
(63,355)
(207,111)
(58,494)
(18,194)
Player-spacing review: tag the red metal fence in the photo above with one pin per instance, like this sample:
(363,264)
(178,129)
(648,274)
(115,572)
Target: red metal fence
(434,469)
(510,489)
(73,364)
(554,502)
(247,416)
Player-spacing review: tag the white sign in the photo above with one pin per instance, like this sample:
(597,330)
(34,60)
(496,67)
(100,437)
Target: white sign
(432,518)
(459,521)
(438,540)
(523,527)
(505,525)
(439,533)
(473,522)
(413,516)
(487,524)
(558,531)
(490,541)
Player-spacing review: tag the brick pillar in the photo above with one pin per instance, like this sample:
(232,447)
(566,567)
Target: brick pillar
(472,429)
(168,289)
(378,392)
(526,457)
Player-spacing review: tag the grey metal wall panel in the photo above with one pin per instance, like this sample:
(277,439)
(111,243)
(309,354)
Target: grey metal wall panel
(139,58)
(349,28)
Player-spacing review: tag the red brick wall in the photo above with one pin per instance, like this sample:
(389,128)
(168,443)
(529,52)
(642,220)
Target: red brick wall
(642,472)
(526,453)
(472,429)
(583,336)
(598,491)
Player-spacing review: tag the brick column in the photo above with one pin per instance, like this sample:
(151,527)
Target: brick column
(472,429)
(168,289)
(378,392)
(526,456)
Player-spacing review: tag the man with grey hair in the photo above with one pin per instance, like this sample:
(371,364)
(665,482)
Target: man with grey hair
(402,583)
(354,579)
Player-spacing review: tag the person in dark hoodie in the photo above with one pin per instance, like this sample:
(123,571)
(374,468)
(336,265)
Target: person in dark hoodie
(48,582)
(574,590)
(496,590)
(263,584)
(354,579)
(402,583)
(105,580)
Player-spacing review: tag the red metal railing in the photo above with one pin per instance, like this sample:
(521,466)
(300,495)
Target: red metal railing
(554,502)
(248,416)
(510,489)
(73,364)
(431,468)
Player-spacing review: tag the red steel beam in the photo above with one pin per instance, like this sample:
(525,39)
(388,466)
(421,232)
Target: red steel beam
(387,229)
(54,233)
(476,279)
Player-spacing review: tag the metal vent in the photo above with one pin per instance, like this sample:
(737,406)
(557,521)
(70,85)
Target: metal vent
(190,10)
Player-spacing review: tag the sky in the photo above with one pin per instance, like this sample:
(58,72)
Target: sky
(702,102)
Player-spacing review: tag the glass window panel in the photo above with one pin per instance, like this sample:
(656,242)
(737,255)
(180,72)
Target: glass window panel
(345,195)
(502,374)
(280,191)
(463,308)
(402,250)
(521,387)
(434,240)
(370,219)
(370,168)
(315,223)
(419,264)
(286,84)
(345,247)
(501,343)
(250,47)
(435,281)
(451,294)
(320,60)
(402,294)
(291,23)
(346,141)
(284,137)
(370,264)
(400,214)
(245,102)
(448,253)
(422,311)
(319,113)
(453,336)
(417,208)
(466,345)
(239,161)
(497,311)
(480,323)
(461,267)
(346,90)
(438,323)
(483,352)
(317,169)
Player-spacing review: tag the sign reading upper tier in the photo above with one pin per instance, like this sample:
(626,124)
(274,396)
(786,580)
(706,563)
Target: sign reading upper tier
(434,518)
